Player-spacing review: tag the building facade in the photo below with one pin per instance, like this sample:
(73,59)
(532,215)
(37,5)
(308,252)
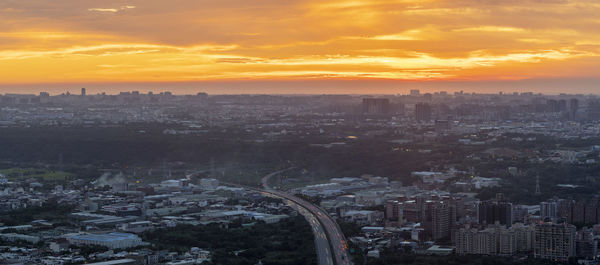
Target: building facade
(554,241)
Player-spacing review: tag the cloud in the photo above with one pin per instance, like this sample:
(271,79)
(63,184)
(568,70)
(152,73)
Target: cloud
(159,40)
(406,35)
(490,29)
(111,10)
(10,10)
(110,50)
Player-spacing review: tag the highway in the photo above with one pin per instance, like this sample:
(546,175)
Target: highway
(321,243)
(335,238)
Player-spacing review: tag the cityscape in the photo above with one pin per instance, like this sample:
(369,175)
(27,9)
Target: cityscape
(300,132)
(123,178)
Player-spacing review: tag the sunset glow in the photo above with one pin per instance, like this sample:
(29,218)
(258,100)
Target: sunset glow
(67,41)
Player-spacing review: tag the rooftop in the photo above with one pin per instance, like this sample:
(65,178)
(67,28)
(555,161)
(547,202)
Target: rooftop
(114,262)
(105,237)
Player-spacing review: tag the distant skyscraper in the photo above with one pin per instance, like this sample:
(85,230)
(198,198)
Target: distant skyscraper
(562,105)
(573,107)
(552,105)
(423,112)
(593,110)
(415,92)
(83,91)
(376,106)
(428,96)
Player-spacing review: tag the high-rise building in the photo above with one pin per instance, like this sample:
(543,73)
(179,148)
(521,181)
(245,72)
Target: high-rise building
(591,209)
(554,241)
(465,240)
(428,97)
(562,105)
(83,91)
(524,235)
(415,92)
(585,244)
(494,240)
(376,106)
(519,213)
(565,209)
(552,105)
(494,211)
(507,242)
(423,112)
(579,212)
(412,211)
(394,214)
(573,108)
(486,242)
(442,218)
(593,110)
(548,209)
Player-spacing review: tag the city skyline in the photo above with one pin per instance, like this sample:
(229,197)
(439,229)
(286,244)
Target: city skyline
(316,87)
(300,47)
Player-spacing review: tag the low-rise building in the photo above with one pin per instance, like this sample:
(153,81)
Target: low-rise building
(111,240)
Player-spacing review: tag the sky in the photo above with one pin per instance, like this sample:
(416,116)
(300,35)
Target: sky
(301,46)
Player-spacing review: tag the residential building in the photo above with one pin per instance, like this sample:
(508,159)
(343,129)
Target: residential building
(554,241)
(491,212)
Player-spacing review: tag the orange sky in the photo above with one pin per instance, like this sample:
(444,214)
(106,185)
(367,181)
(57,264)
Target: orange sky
(210,41)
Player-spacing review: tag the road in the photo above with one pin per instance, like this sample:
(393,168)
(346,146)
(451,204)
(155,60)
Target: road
(321,243)
(330,242)
(335,237)
(322,246)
